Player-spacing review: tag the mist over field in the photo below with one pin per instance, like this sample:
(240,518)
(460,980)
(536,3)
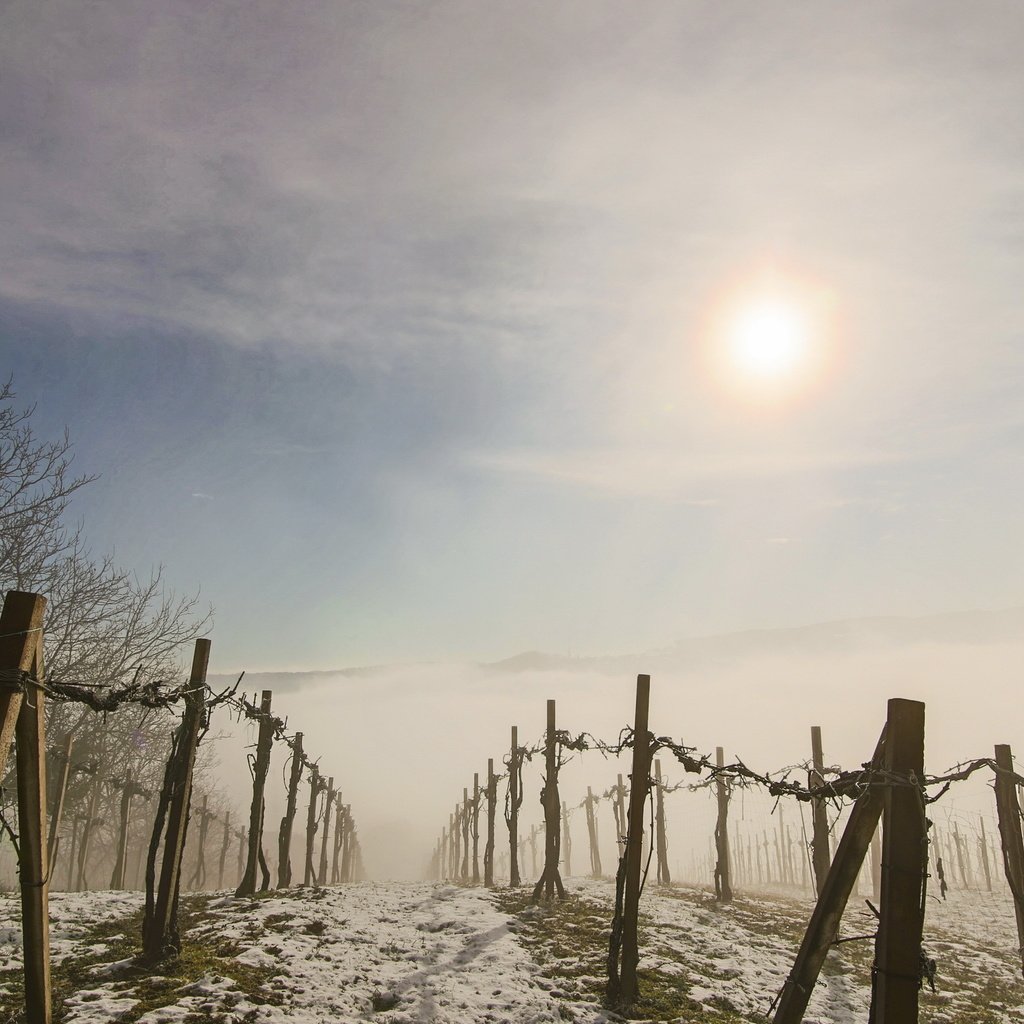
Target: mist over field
(405,740)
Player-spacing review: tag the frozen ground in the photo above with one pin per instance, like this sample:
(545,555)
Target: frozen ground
(404,953)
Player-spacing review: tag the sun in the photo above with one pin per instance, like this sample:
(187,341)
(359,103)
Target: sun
(770,338)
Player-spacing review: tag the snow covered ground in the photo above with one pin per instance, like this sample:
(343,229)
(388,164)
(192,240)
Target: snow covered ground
(412,953)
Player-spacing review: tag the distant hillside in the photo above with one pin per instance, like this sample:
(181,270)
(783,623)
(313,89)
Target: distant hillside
(844,635)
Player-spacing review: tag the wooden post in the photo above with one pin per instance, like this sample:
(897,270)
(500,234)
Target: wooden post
(314,793)
(723,887)
(475,828)
(224,849)
(983,853)
(623,989)
(284,839)
(492,799)
(240,861)
(76,819)
(533,849)
(661,841)
(160,926)
(595,852)
(121,862)
(515,799)
(53,843)
(464,872)
(198,879)
(876,866)
(1008,808)
(550,879)
(566,841)
(346,850)
(91,819)
(22,715)
(819,814)
(260,768)
(328,801)
(828,911)
(904,863)
(339,835)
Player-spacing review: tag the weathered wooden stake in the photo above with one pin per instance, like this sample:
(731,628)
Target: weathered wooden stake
(566,841)
(346,850)
(550,879)
(1008,808)
(621,825)
(492,799)
(723,887)
(515,799)
(22,715)
(284,839)
(128,791)
(339,836)
(819,813)
(464,872)
(983,853)
(92,820)
(475,828)
(897,970)
(198,879)
(160,935)
(828,911)
(314,795)
(661,842)
(624,989)
(260,768)
(328,802)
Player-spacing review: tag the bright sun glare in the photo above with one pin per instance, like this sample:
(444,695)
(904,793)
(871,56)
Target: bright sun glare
(769,339)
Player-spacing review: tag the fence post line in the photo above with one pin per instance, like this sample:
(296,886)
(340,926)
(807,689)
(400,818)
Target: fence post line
(284,839)
(639,784)
(328,800)
(904,859)
(1010,839)
(492,793)
(22,715)
(53,842)
(514,800)
(664,878)
(261,766)
(160,927)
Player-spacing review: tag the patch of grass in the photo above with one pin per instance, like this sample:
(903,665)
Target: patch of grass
(153,987)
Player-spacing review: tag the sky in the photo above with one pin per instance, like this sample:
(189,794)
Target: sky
(390,326)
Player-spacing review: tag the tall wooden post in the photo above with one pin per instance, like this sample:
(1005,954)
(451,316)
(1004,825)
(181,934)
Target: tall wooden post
(261,765)
(339,835)
(224,849)
(1008,808)
(624,990)
(661,842)
(828,911)
(92,819)
(314,793)
(346,850)
(515,798)
(22,714)
(198,880)
(328,802)
(240,864)
(904,864)
(983,853)
(284,839)
(121,861)
(595,851)
(819,814)
(492,794)
(723,887)
(160,926)
(475,828)
(464,873)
